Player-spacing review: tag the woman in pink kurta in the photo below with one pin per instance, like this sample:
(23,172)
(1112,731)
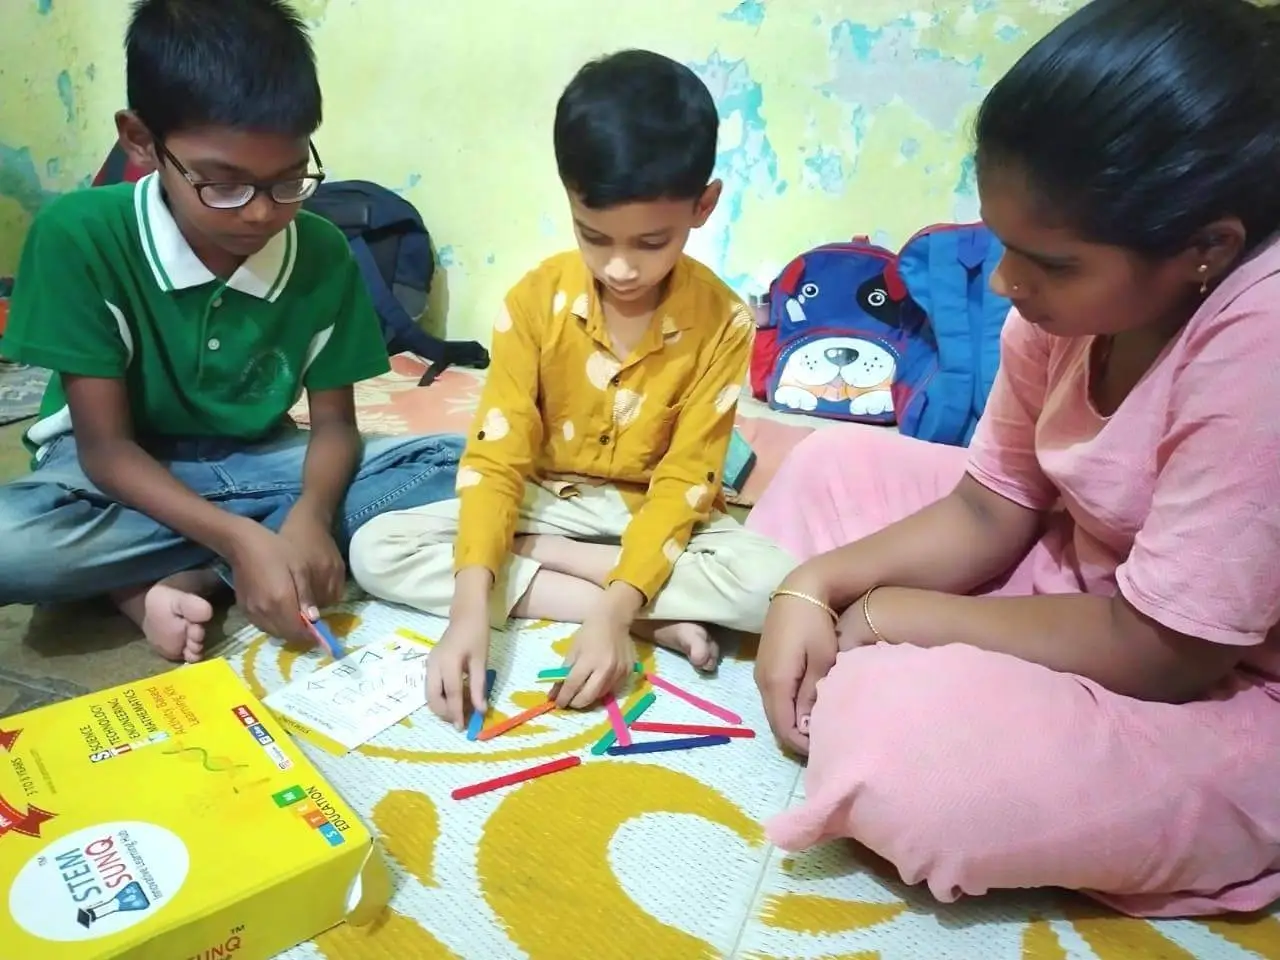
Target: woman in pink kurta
(1053,659)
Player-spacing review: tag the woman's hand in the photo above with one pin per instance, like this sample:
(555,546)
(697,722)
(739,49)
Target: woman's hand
(797,648)
(853,629)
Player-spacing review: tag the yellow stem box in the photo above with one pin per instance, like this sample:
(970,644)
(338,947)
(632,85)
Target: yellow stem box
(172,819)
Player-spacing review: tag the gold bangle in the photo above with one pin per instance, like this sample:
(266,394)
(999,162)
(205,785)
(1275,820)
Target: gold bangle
(807,598)
(866,615)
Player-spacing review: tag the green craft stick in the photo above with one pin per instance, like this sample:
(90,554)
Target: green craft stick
(556,674)
(630,717)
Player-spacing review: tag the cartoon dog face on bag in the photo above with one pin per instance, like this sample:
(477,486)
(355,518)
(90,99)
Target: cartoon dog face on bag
(843,374)
(838,369)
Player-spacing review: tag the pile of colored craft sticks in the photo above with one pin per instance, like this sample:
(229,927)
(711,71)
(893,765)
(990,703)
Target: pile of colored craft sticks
(618,742)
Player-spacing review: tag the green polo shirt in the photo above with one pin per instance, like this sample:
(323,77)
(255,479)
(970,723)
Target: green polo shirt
(108,287)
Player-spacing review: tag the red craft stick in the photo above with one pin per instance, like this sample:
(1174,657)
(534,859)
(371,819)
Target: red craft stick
(488,733)
(531,773)
(691,729)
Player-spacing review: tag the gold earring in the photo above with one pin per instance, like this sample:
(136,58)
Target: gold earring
(1204,279)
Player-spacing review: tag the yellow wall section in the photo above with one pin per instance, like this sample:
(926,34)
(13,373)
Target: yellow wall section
(839,116)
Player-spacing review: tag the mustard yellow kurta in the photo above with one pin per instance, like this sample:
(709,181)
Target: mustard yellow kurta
(558,405)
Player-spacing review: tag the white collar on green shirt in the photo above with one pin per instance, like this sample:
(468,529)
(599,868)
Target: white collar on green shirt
(175,265)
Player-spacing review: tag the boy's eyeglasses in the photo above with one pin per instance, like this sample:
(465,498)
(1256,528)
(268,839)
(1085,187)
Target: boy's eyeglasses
(223,195)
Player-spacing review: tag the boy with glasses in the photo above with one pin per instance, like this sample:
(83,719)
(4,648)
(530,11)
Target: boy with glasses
(182,317)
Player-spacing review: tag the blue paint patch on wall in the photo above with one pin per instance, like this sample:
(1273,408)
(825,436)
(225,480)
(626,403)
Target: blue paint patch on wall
(909,148)
(546,226)
(859,121)
(825,169)
(873,67)
(446,257)
(410,182)
(490,258)
(44,6)
(861,38)
(747,167)
(53,167)
(20,181)
(67,94)
(750,12)
(966,206)
(1009,33)
(967,184)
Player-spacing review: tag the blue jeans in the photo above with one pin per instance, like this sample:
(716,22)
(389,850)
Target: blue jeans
(62,539)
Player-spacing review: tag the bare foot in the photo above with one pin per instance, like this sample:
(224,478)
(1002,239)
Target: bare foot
(691,639)
(577,558)
(172,613)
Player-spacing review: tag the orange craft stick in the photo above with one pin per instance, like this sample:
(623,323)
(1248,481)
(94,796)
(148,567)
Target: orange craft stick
(498,729)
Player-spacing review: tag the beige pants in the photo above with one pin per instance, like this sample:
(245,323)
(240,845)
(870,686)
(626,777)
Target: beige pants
(724,577)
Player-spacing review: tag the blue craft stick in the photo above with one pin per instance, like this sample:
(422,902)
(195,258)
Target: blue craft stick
(662,746)
(322,633)
(476,723)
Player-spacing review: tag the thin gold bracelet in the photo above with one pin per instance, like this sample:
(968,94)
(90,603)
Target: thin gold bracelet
(807,598)
(866,615)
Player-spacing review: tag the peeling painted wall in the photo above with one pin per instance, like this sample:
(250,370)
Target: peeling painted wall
(838,116)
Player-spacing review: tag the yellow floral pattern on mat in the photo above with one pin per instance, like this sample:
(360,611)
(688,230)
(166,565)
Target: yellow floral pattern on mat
(657,857)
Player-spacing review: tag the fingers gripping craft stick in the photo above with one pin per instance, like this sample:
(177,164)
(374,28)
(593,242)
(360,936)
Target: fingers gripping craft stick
(476,723)
(663,746)
(512,722)
(324,636)
(728,716)
(507,780)
(620,731)
(556,674)
(691,730)
(630,717)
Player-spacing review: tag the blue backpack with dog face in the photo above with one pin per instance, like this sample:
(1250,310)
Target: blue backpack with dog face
(858,332)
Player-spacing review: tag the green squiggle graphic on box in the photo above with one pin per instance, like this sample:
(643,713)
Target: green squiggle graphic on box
(205,760)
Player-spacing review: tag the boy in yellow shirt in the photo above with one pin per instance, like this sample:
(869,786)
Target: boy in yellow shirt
(603,427)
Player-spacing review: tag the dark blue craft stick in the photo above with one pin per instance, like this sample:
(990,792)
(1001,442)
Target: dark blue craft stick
(476,723)
(661,746)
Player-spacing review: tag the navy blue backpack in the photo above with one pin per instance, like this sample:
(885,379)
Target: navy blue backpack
(391,245)
(858,332)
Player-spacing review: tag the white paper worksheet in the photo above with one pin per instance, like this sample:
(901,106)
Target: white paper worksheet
(348,703)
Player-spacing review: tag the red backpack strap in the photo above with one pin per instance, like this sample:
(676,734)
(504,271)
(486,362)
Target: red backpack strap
(117,169)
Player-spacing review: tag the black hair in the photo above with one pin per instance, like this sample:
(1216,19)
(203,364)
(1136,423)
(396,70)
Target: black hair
(1140,122)
(635,126)
(242,64)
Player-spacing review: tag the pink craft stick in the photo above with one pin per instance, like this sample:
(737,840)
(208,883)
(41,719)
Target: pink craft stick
(728,716)
(620,731)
